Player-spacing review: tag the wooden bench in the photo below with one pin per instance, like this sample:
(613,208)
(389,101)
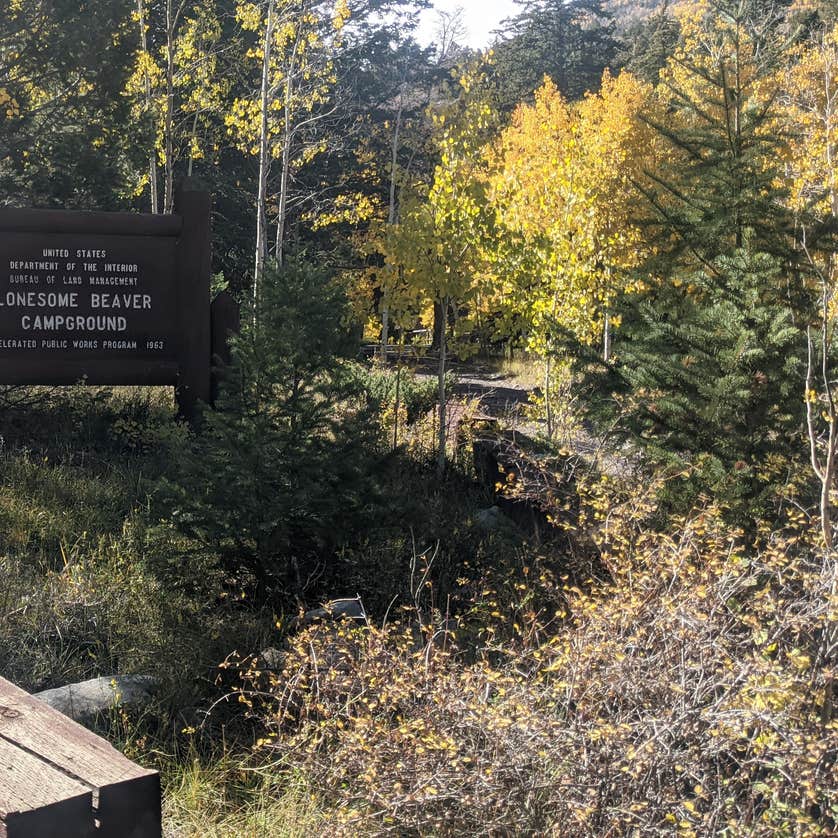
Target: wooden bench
(59,780)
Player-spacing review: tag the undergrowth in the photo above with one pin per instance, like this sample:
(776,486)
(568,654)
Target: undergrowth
(624,674)
(682,695)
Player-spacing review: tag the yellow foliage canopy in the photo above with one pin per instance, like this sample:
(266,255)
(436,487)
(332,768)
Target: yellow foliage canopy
(564,189)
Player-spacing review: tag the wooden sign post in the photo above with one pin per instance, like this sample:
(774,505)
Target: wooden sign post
(108,298)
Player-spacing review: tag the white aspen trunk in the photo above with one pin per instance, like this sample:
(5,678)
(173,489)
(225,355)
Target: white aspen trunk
(168,141)
(548,394)
(548,364)
(192,139)
(398,403)
(606,330)
(829,642)
(443,348)
(385,327)
(282,204)
(391,220)
(829,651)
(394,155)
(152,158)
(264,157)
(825,472)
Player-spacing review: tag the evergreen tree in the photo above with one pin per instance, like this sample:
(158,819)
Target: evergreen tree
(647,44)
(709,358)
(571,41)
(280,474)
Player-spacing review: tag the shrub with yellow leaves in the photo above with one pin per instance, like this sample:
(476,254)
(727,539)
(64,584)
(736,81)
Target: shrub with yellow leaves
(675,691)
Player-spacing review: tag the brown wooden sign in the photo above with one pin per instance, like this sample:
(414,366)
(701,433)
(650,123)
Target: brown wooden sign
(107,298)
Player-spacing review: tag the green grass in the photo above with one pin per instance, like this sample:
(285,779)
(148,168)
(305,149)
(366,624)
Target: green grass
(224,798)
(97,581)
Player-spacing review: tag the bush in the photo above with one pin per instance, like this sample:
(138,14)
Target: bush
(417,395)
(683,696)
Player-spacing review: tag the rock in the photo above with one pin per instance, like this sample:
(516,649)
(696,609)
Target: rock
(335,609)
(352,608)
(83,701)
(272,658)
(491,519)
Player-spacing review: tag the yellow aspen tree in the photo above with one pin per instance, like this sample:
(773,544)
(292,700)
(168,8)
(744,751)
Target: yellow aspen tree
(176,85)
(145,71)
(618,147)
(563,187)
(438,246)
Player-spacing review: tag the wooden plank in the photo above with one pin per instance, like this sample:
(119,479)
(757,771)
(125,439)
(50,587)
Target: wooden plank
(38,800)
(78,222)
(128,802)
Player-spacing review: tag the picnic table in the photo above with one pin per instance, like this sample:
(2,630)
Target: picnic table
(59,780)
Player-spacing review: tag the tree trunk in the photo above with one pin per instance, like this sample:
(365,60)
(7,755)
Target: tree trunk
(548,394)
(282,205)
(829,641)
(443,348)
(829,645)
(606,329)
(168,122)
(391,220)
(152,157)
(825,472)
(385,327)
(398,405)
(192,140)
(264,157)
(440,317)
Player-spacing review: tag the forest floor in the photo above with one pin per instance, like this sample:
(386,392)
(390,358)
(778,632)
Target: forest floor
(578,661)
(501,395)
(503,391)
(506,392)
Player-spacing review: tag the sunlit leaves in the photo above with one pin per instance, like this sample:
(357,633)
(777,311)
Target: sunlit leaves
(301,70)
(437,250)
(176,86)
(811,149)
(676,691)
(563,190)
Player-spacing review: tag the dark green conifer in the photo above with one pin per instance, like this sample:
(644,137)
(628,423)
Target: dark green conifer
(569,40)
(708,362)
(647,44)
(281,472)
